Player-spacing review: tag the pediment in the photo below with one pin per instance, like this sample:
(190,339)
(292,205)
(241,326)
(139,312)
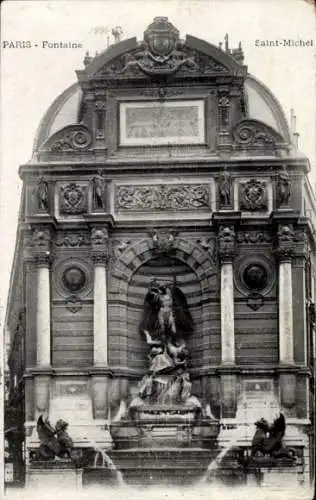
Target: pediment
(163,53)
(182,60)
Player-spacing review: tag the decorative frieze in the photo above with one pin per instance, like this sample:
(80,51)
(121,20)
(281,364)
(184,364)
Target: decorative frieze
(160,197)
(72,240)
(253,195)
(254,237)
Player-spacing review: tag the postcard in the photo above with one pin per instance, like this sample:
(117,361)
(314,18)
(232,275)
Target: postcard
(158,266)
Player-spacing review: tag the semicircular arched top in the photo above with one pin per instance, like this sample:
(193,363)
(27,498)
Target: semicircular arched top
(261,104)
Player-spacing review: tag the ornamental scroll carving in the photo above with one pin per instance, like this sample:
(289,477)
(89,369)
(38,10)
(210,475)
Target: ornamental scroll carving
(253,133)
(72,138)
(163,197)
(162,53)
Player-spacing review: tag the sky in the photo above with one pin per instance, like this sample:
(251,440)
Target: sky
(31,78)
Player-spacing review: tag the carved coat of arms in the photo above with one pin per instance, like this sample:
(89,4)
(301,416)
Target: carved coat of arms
(161,38)
(253,195)
(73,199)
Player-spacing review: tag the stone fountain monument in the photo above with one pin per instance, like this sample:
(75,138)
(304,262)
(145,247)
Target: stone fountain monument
(165,419)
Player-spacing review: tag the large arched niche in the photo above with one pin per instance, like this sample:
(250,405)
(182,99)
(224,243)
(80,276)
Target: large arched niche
(197,276)
(162,268)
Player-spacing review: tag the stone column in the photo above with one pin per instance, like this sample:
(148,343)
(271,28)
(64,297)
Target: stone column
(100,254)
(226,238)
(43,317)
(99,239)
(284,253)
(226,246)
(38,253)
(287,378)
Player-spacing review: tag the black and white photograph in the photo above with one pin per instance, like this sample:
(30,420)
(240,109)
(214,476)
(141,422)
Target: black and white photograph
(158,249)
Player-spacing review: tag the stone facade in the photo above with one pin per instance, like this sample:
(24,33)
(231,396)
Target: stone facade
(112,201)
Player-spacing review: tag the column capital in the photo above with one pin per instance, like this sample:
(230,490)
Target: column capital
(37,245)
(100,245)
(284,242)
(226,239)
(100,258)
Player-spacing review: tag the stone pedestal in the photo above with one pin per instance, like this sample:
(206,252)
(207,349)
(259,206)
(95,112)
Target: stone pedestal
(165,426)
(228,395)
(100,395)
(287,382)
(49,478)
(43,342)
(286,347)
